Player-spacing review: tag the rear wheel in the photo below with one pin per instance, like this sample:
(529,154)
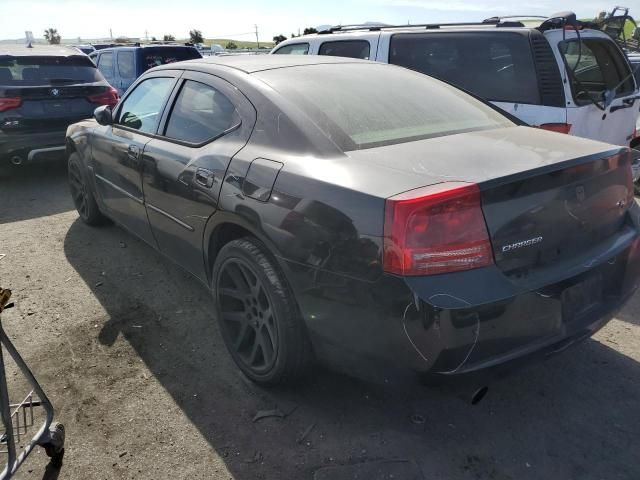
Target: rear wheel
(258,316)
(81,194)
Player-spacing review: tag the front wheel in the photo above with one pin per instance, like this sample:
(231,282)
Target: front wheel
(81,194)
(258,316)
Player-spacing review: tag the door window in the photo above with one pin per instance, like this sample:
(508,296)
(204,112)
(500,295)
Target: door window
(142,108)
(201,113)
(347,48)
(126,65)
(597,66)
(105,64)
(293,49)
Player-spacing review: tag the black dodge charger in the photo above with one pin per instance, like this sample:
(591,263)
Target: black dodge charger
(361,214)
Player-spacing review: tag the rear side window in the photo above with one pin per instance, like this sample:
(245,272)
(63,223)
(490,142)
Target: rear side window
(338,100)
(154,56)
(126,65)
(200,113)
(597,66)
(293,49)
(141,109)
(494,66)
(105,64)
(34,71)
(346,48)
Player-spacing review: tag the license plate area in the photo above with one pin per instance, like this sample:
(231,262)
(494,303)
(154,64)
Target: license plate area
(581,298)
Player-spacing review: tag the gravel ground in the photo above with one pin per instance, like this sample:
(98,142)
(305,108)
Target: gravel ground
(125,345)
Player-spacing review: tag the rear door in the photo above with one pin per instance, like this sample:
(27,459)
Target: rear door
(119,149)
(208,123)
(592,67)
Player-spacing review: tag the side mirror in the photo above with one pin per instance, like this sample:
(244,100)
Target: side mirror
(608,96)
(103,115)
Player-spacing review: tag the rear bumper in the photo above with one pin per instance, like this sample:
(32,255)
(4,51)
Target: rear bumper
(32,146)
(464,322)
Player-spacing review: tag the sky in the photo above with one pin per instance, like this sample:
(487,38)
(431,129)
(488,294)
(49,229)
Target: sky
(236,19)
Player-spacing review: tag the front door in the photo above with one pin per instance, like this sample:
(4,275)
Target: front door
(594,66)
(209,122)
(118,153)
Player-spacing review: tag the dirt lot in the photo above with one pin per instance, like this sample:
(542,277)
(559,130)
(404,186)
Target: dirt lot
(127,349)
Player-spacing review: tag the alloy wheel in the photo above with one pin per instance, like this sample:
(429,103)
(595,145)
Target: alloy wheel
(247,315)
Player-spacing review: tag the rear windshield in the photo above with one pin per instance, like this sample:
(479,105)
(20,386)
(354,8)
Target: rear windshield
(161,56)
(369,105)
(36,71)
(495,66)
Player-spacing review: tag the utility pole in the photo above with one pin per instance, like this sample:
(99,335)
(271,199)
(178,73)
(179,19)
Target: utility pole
(111,34)
(146,35)
(257,39)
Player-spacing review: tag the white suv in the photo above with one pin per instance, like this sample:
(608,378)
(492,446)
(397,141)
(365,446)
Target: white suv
(543,75)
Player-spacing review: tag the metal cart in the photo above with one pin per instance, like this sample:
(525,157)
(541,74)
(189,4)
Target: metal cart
(19,418)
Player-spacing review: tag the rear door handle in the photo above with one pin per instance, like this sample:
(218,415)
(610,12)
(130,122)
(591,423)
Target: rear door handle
(204,177)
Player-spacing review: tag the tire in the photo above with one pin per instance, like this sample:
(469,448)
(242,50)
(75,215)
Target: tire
(258,316)
(81,194)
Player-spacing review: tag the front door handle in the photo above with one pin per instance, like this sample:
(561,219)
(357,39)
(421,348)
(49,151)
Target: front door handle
(133,152)
(204,177)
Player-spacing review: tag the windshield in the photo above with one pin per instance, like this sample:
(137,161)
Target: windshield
(47,70)
(154,57)
(368,105)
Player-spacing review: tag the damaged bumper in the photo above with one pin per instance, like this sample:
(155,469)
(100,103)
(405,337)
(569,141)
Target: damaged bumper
(468,321)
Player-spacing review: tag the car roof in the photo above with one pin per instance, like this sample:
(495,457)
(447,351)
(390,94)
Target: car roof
(257,63)
(39,50)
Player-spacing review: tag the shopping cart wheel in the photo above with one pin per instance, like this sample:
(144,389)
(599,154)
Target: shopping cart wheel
(55,446)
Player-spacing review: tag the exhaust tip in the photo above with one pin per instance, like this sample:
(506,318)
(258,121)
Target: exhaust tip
(16,160)
(479,394)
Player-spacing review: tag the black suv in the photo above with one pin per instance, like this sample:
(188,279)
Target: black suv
(43,90)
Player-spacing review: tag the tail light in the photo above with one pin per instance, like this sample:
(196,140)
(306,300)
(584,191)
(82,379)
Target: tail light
(556,127)
(9,103)
(108,97)
(436,229)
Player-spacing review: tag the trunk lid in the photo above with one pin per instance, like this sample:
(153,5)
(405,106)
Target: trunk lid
(49,107)
(546,197)
(555,214)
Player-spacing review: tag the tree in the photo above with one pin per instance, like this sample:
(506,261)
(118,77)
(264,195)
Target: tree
(169,38)
(52,36)
(154,39)
(309,30)
(196,36)
(279,38)
(231,46)
(122,40)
